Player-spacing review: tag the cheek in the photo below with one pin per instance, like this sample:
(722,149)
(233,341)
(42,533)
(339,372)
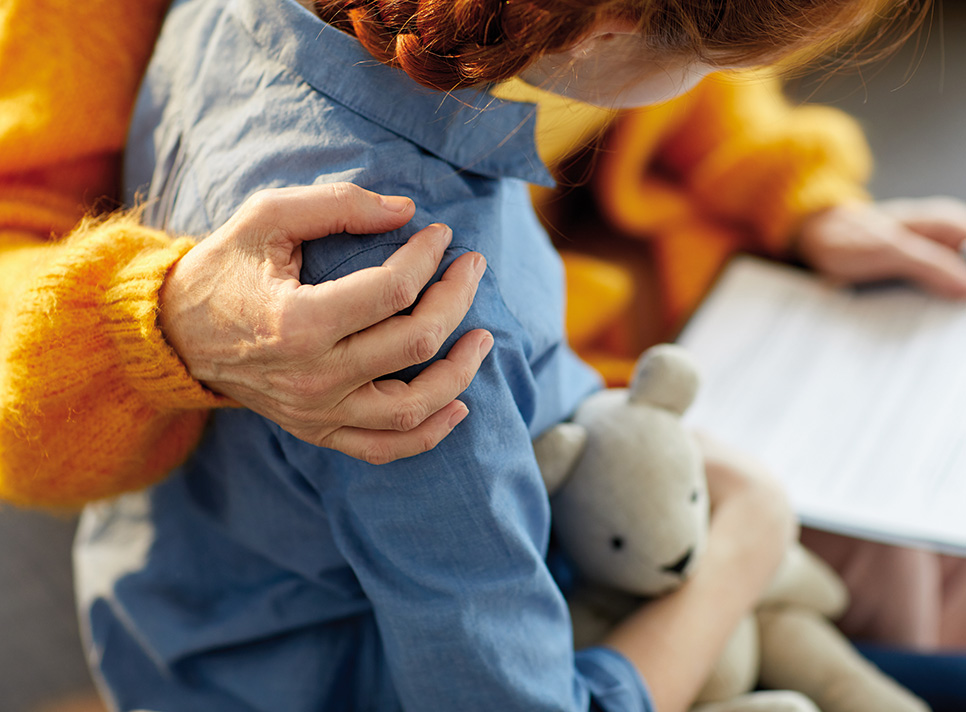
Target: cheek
(654,87)
(614,72)
(615,82)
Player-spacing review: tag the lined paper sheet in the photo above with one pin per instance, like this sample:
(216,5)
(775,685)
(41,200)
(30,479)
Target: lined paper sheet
(856,399)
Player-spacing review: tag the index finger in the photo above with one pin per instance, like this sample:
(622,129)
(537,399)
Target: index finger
(931,265)
(940,219)
(406,340)
(372,295)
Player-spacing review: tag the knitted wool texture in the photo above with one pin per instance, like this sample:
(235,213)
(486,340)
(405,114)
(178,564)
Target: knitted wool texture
(92,400)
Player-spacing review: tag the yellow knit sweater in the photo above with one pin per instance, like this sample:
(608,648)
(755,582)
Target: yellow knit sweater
(92,400)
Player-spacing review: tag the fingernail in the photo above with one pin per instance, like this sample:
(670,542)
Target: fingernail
(443,231)
(395,203)
(479,266)
(486,345)
(457,417)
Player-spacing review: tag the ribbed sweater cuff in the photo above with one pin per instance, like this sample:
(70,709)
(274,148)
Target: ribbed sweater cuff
(131,311)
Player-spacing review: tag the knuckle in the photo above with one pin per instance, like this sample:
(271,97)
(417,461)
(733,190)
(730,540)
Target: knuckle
(305,426)
(425,342)
(424,441)
(261,214)
(316,393)
(262,205)
(302,387)
(345,197)
(376,454)
(427,442)
(407,416)
(401,291)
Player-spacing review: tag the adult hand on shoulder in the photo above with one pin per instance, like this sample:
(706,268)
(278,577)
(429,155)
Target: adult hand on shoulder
(914,239)
(305,356)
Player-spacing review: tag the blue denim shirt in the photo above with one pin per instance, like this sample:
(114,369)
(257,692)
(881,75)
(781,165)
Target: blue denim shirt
(268,574)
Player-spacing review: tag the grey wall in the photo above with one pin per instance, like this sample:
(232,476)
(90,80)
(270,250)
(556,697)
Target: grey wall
(913,109)
(40,653)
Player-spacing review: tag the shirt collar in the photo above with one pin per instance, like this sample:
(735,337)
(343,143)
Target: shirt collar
(471,129)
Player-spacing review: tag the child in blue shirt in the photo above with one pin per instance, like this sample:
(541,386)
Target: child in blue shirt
(269,574)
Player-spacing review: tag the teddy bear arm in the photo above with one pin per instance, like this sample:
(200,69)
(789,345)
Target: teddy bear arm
(556,451)
(805,580)
(802,650)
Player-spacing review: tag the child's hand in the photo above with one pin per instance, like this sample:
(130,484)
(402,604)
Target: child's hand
(752,522)
(305,356)
(918,240)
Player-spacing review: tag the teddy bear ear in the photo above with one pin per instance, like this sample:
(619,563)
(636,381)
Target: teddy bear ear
(666,376)
(557,451)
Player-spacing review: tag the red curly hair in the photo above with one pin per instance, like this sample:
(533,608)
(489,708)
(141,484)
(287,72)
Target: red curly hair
(449,44)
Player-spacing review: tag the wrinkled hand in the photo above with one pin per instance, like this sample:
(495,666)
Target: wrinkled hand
(305,356)
(917,239)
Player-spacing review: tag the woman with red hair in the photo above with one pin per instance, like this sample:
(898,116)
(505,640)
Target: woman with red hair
(266,573)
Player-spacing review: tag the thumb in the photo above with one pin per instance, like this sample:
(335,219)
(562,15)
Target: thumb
(309,212)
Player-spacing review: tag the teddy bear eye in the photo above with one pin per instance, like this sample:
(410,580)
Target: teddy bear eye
(695,496)
(617,543)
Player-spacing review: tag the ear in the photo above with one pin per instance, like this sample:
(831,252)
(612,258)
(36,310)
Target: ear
(666,376)
(557,451)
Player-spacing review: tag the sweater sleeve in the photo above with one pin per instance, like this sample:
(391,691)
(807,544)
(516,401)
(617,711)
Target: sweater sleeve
(92,400)
(750,157)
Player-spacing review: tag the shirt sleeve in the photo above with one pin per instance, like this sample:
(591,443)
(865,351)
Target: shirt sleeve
(449,547)
(92,401)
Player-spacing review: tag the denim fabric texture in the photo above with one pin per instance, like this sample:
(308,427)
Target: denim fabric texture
(268,574)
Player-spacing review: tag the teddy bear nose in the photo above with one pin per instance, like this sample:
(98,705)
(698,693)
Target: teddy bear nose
(680,565)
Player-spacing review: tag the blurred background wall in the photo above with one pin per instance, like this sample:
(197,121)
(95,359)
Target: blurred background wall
(40,653)
(913,108)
